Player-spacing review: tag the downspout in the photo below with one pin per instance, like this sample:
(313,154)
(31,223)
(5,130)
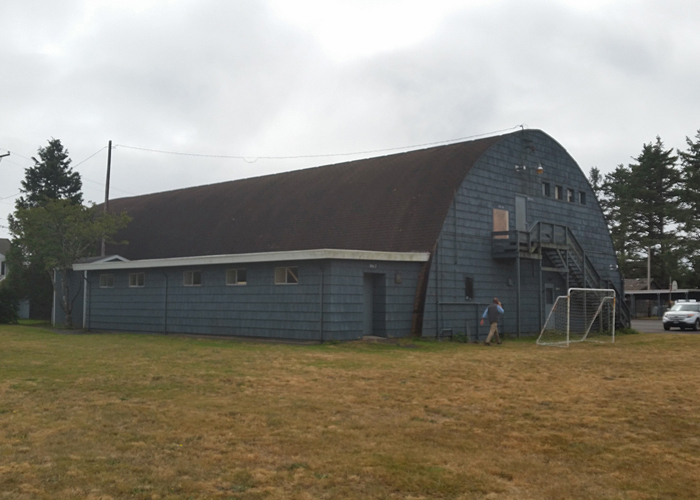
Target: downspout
(437,289)
(517,270)
(165,307)
(421,295)
(53,306)
(321,306)
(85,300)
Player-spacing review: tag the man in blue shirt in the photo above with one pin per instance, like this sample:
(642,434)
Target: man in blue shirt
(492,312)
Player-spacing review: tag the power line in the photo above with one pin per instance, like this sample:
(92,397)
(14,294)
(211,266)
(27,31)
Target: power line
(252,158)
(86,159)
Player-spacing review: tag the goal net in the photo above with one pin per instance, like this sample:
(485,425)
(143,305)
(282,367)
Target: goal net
(585,314)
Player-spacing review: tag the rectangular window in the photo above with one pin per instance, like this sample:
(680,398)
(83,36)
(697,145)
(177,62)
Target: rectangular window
(500,224)
(137,280)
(236,277)
(558,193)
(107,281)
(469,288)
(570,196)
(546,191)
(192,278)
(286,275)
(582,197)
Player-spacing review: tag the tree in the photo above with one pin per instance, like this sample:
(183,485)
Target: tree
(52,178)
(8,304)
(617,203)
(690,204)
(596,181)
(57,234)
(656,187)
(642,204)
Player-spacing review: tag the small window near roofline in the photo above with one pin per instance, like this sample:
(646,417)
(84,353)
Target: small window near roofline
(192,278)
(558,193)
(106,281)
(236,277)
(137,280)
(582,197)
(286,275)
(570,196)
(546,190)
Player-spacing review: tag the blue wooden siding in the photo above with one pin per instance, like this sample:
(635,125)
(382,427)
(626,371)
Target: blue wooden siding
(259,308)
(464,245)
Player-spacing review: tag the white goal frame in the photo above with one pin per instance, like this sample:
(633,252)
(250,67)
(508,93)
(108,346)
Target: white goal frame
(560,335)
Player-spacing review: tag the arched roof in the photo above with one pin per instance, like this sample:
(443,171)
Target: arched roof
(394,203)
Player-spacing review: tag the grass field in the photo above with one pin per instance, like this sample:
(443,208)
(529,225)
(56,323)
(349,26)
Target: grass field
(147,417)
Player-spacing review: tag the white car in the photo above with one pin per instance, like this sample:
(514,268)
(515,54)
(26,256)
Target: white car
(684,314)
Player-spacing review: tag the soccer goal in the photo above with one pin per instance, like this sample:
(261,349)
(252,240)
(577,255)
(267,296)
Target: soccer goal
(585,314)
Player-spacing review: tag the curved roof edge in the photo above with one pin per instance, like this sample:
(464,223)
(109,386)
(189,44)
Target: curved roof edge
(391,203)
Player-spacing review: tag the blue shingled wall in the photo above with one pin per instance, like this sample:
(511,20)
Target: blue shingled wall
(259,308)
(464,246)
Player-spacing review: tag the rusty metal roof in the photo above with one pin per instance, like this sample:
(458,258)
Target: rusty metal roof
(394,203)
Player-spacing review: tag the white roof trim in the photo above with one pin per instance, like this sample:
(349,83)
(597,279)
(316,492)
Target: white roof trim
(110,258)
(245,258)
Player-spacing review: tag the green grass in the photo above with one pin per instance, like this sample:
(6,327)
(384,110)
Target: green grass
(152,416)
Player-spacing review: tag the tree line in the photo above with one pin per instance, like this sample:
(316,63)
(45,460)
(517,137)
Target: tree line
(652,208)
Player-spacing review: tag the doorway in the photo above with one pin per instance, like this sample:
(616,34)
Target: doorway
(374,305)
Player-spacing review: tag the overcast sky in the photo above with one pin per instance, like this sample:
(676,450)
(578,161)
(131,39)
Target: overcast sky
(302,78)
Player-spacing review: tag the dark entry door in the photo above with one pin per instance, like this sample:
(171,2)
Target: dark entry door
(374,299)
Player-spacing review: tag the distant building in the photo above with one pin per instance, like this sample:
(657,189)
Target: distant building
(411,243)
(4,249)
(639,284)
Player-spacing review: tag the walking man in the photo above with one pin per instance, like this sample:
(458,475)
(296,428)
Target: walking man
(492,312)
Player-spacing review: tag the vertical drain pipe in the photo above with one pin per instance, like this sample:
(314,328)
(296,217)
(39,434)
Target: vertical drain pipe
(321,305)
(165,310)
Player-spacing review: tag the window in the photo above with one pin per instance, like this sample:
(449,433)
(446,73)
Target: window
(570,197)
(500,224)
(582,197)
(135,279)
(558,193)
(286,275)
(192,278)
(469,288)
(546,191)
(236,277)
(398,279)
(107,281)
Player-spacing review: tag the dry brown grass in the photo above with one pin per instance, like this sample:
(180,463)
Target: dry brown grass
(135,416)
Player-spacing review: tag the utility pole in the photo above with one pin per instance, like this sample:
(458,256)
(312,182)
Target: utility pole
(109,168)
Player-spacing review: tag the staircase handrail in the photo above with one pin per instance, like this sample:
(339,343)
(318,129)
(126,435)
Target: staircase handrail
(573,242)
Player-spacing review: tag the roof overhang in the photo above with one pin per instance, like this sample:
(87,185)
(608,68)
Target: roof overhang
(249,258)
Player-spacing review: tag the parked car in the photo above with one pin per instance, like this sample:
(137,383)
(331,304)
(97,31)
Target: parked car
(683,314)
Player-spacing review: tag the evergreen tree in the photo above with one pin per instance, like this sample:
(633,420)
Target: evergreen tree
(617,203)
(656,189)
(51,178)
(690,204)
(642,204)
(596,181)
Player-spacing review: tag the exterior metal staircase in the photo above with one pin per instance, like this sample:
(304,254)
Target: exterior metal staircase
(559,250)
